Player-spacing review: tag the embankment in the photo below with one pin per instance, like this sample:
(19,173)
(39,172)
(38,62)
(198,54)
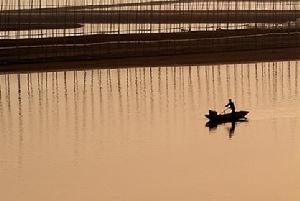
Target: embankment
(110,50)
(164,16)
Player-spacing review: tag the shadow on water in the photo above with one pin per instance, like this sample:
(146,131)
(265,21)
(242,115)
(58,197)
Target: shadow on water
(212,126)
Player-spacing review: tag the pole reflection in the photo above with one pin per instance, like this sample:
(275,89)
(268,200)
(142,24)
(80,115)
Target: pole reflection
(120,101)
(20,124)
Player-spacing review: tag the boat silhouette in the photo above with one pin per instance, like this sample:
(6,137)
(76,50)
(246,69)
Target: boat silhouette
(215,118)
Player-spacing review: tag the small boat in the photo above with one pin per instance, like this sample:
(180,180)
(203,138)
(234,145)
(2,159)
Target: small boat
(214,117)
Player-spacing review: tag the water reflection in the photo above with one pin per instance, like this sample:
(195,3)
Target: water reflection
(85,122)
(20,124)
(231,129)
(230,126)
(139,90)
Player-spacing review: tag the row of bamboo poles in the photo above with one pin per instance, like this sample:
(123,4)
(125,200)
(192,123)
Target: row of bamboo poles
(68,30)
(15,28)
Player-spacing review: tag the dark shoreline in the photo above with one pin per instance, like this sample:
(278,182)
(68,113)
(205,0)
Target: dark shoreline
(139,37)
(32,26)
(146,16)
(234,57)
(146,48)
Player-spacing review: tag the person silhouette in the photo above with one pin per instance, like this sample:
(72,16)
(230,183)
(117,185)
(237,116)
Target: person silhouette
(231,106)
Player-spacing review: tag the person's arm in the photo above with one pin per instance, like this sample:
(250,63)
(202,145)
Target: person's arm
(227,105)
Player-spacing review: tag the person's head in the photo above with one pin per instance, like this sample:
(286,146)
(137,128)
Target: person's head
(230,100)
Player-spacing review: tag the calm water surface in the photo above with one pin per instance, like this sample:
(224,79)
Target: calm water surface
(139,134)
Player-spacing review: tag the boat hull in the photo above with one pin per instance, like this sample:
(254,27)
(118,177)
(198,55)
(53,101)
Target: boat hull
(230,117)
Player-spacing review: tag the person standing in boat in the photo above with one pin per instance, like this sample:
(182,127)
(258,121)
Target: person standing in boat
(231,106)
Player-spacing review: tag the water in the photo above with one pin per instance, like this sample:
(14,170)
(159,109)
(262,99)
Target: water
(139,134)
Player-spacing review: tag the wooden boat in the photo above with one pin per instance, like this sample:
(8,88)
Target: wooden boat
(213,116)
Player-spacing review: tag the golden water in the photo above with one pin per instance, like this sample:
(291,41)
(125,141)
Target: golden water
(139,134)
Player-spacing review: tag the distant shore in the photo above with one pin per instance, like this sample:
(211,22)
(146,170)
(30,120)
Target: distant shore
(285,34)
(164,16)
(37,51)
(139,37)
(234,57)
(32,26)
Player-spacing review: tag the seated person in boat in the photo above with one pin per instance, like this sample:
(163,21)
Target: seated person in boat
(231,106)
